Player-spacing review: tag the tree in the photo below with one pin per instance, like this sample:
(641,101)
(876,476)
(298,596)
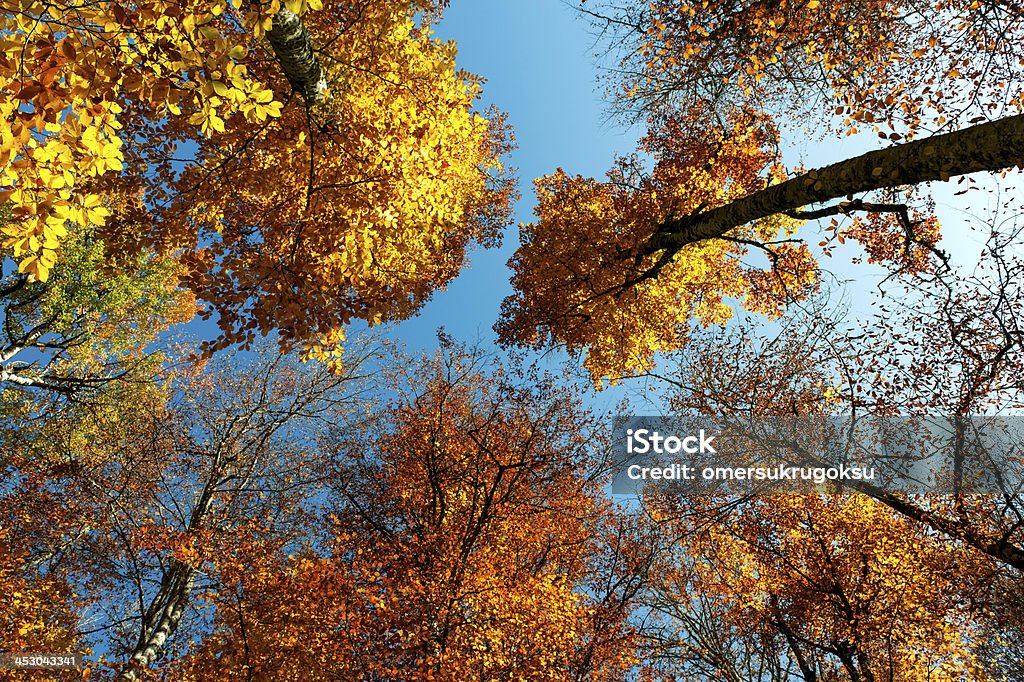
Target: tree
(35,611)
(937,344)
(299,166)
(649,252)
(812,588)
(89,324)
(465,540)
(581,278)
(355,199)
(133,514)
(263,521)
(915,67)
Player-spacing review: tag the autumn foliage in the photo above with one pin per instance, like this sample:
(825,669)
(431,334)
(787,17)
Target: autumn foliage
(827,588)
(617,270)
(894,67)
(290,215)
(308,507)
(457,530)
(586,276)
(463,541)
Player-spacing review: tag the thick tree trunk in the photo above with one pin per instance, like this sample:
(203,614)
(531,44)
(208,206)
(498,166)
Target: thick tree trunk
(990,146)
(161,620)
(163,615)
(293,48)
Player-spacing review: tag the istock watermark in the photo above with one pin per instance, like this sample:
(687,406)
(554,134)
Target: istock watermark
(695,454)
(642,441)
(819,475)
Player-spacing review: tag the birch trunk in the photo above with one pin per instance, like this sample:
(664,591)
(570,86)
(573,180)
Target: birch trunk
(161,620)
(293,48)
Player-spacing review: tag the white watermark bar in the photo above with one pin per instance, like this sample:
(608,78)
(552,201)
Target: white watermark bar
(40,661)
(698,455)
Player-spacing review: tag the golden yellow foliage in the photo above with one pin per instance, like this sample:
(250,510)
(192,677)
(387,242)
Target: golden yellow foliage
(168,124)
(68,68)
(855,590)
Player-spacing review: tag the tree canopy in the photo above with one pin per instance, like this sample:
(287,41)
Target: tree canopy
(312,507)
(716,83)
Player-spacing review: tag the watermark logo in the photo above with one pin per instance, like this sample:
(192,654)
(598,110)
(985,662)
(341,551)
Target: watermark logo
(643,441)
(694,454)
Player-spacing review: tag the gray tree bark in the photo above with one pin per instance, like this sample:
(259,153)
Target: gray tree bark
(992,146)
(161,619)
(293,48)
(165,610)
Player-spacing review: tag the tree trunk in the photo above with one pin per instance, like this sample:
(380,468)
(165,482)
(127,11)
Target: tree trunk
(161,620)
(163,615)
(293,48)
(990,146)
